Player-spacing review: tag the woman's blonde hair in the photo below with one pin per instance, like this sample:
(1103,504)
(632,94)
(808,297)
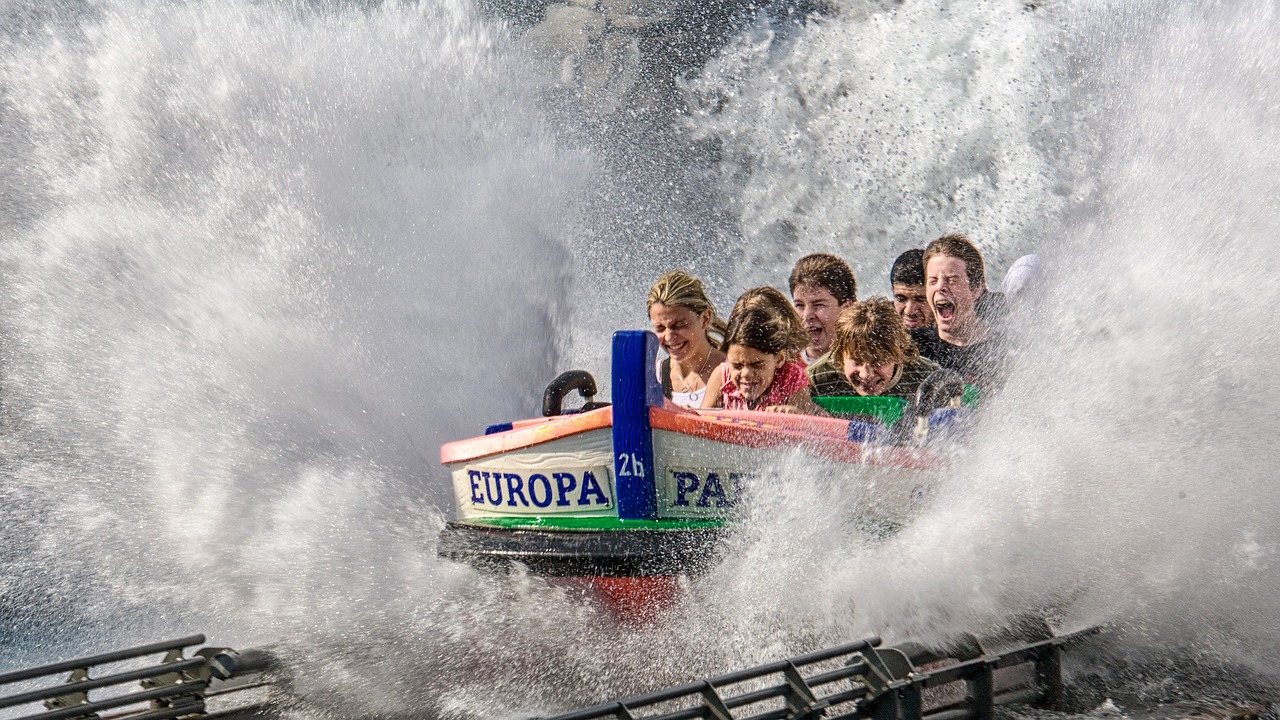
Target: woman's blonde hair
(679,288)
(771,300)
(871,332)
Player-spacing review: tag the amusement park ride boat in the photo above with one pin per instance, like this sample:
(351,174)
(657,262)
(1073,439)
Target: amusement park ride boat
(625,498)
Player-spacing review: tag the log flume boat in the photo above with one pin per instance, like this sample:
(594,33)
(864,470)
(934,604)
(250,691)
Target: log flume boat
(626,497)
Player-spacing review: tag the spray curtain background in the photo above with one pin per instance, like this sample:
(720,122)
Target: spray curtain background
(880,128)
(1124,476)
(251,250)
(260,260)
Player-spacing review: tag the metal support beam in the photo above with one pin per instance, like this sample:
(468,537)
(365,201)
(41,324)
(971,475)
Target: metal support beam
(982,691)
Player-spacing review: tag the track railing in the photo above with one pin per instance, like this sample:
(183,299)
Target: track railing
(862,681)
(126,684)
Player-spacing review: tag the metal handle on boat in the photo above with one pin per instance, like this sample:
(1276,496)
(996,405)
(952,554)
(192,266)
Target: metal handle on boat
(943,388)
(565,383)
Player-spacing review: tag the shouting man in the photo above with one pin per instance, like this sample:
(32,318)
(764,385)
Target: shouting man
(821,286)
(955,280)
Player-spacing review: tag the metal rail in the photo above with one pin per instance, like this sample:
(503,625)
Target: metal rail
(862,681)
(171,687)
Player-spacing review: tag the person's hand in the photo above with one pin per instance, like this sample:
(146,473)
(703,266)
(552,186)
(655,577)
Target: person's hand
(783,409)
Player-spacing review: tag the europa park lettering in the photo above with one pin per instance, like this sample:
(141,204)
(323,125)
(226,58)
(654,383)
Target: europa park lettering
(706,490)
(539,490)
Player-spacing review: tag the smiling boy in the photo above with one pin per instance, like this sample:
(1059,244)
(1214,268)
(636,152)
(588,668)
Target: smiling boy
(821,286)
(876,353)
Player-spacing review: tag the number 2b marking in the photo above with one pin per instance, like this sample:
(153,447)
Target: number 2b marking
(629,465)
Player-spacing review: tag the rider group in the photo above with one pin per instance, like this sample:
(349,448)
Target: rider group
(777,354)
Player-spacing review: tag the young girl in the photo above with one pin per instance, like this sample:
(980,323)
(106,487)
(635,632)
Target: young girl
(771,299)
(757,374)
(688,329)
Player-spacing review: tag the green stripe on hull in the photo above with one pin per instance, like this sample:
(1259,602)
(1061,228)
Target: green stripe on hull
(594,523)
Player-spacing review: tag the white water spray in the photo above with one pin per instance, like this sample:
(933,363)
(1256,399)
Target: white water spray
(260,261)
(886,125)
(1124,476)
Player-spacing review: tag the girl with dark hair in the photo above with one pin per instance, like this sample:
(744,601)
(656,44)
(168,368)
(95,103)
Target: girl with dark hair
(757,373)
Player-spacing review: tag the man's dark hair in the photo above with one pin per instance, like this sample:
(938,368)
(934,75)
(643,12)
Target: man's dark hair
(908,269)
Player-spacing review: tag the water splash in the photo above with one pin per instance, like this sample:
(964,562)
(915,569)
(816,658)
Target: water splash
(883,126)
(260,260)
(1123,477)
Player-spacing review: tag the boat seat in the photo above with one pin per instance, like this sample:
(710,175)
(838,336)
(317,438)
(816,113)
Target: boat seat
(949,423)
(867,432)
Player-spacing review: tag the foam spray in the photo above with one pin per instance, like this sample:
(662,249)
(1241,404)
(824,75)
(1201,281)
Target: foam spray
(260,260)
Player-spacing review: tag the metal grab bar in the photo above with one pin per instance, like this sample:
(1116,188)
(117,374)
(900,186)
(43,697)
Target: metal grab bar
(172,687)
(102,659)
(565,383)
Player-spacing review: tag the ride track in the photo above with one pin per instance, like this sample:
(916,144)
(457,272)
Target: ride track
(856,680)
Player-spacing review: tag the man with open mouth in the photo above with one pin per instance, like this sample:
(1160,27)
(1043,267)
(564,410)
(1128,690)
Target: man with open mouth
(960,339)
(821,286)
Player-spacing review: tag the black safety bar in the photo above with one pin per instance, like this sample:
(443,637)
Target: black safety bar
(706,690)
(116,656)
(869,683)
(173,687)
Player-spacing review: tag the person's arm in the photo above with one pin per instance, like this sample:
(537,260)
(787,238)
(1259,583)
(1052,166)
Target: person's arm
(800,403)
(712,398)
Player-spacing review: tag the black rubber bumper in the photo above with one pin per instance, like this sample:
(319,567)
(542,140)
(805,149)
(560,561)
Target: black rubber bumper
(597,553)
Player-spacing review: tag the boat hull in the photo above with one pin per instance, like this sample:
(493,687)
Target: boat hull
(643,489)
(620,552)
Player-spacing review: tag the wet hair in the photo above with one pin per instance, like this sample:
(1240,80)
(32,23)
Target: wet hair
(679,288)
(771,300)
(758,329)
(824,270)
(958,246)
(873,333)
(908,269)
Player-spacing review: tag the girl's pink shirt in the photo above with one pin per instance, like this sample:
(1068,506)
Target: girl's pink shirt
(787,381)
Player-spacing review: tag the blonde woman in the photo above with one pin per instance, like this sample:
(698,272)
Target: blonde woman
(688,330)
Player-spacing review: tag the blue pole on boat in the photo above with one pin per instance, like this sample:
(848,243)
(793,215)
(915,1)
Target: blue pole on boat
(635,390)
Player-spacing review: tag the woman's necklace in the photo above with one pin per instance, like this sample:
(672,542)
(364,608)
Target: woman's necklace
(685,387)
